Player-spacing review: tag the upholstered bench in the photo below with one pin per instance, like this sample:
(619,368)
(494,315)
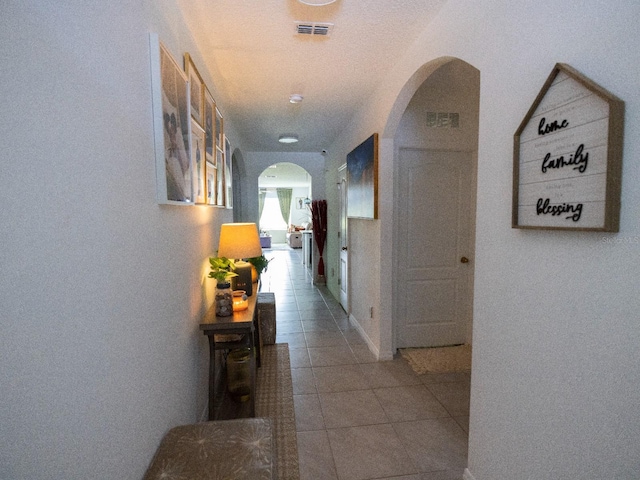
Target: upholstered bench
(266,307)
(241,449)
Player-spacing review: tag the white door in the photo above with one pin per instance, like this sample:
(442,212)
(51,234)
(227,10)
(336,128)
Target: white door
(344,244)
(435,257)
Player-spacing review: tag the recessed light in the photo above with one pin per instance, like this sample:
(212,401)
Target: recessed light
(295,98)
(288,139)
(317,3)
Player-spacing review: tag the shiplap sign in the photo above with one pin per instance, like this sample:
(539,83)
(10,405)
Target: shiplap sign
(568,157)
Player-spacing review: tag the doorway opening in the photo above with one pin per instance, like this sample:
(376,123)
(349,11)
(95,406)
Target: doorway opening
(284,203)
(435,157)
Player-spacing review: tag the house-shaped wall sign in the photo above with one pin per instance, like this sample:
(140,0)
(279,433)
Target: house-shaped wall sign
(567,160)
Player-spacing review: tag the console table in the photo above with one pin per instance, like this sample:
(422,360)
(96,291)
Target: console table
(243,323)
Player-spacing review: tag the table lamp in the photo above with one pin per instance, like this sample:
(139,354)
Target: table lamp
(237,242)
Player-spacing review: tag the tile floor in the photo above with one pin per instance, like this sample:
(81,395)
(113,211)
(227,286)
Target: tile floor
(356,418)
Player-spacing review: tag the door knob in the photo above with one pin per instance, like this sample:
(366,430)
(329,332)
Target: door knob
(344,249)
(464,260)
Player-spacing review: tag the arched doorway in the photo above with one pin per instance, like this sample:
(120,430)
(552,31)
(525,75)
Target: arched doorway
(435,164)
(284,197)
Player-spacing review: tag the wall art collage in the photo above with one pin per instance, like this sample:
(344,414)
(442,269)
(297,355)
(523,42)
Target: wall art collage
(193,155)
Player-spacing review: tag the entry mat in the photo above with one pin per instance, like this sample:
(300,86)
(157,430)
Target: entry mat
(438,359)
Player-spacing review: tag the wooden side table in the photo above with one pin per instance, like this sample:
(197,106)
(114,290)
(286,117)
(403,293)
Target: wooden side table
(243,323)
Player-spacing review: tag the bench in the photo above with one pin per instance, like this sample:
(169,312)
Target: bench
(266,307)
(242,449)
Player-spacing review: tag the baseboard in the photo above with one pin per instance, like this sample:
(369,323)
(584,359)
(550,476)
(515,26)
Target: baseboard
(467,475)
(374,349)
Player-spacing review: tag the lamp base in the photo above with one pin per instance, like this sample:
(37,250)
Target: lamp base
(243,280)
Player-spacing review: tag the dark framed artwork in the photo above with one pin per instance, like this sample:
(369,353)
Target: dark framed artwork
(196,89)
(198,161)
(567,161)
(362,180)
(172,127)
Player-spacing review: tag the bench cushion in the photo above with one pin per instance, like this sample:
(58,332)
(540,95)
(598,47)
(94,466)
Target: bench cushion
(235,449)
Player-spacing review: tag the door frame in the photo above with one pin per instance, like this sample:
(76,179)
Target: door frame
(390,146)
(343,233)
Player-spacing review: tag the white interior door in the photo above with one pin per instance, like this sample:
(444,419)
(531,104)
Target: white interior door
(344,243)
(435,273)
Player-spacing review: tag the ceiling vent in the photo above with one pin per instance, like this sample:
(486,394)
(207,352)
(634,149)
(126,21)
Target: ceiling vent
(312,28)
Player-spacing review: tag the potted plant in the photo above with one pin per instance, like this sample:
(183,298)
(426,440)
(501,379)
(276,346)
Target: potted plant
(260,264)
(221,270)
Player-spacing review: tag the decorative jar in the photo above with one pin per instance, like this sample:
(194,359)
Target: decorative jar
(224,300)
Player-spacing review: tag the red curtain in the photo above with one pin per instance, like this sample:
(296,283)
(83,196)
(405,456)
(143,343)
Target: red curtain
(319,218)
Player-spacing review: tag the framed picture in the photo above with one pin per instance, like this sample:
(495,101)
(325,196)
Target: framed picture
(171,126)
(228,177)
(220,177)
(196,89)
(209,119)
(198,161)
(362,180)
(567,161)
(211,183)
(219,131)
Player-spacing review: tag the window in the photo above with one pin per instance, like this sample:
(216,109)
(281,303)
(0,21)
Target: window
(271,218)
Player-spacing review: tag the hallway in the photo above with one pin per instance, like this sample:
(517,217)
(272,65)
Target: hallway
(358,419)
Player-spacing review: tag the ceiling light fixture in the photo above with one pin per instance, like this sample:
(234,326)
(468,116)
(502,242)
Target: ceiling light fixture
(295,98)
(288,138)
(317,3)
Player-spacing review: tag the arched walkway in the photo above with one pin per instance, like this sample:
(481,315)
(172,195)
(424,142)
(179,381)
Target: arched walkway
(442,91)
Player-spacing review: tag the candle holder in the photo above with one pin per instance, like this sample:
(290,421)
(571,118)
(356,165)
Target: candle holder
(240,300)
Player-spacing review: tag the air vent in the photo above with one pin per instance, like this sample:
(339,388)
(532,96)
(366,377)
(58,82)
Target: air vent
(311,28)
(443,120)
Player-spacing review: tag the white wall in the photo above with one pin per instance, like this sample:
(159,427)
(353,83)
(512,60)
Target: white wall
(556,338)
(301,215)
(102,289)
(256,162)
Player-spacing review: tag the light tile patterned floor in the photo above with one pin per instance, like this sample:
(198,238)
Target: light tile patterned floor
(358,419)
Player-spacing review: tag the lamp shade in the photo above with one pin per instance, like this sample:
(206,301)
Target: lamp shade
(239,240)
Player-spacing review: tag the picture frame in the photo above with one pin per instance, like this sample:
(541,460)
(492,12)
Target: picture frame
(196,89)
(362,180)
(209,125)
(219,129)
(171,126)
(198,160)
(228,173)
(211,183)
(220,191)
(567,157)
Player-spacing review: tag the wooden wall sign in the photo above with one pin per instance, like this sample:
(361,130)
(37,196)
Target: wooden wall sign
(567,160)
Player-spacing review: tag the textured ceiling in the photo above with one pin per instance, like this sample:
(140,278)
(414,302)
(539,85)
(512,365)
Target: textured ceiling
(257,60)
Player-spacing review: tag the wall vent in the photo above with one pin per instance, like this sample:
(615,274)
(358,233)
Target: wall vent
(313,28)
(443,120)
